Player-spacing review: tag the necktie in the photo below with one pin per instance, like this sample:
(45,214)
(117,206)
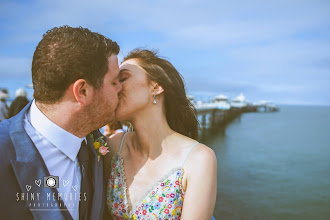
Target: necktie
(86,181)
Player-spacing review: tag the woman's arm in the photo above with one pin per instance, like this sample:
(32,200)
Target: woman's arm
(201,184)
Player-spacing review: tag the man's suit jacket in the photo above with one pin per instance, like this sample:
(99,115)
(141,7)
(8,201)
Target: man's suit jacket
(21,168)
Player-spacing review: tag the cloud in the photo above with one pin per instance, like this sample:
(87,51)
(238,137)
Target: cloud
(217,23)
(297,57)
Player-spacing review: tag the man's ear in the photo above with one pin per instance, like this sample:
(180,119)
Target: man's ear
(81,91)
(157,88)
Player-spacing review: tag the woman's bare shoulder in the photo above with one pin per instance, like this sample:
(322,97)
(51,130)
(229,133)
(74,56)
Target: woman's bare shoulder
(189,142)
(200,182)
(199,163)
(199,154)
(202,159)
(203,153)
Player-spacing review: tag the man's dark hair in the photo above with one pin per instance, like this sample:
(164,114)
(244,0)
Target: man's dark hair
(66,54)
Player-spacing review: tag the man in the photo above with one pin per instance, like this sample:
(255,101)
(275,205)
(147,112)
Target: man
(19,103)
(47,169)
(3,104)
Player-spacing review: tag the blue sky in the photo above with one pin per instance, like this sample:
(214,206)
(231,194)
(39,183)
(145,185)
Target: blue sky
(273,50)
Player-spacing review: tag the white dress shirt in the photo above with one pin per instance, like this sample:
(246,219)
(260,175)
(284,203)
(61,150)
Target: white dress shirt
(59,150)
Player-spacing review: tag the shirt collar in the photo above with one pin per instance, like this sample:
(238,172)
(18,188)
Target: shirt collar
(66,142)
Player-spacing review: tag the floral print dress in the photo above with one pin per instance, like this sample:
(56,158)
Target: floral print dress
(164,200)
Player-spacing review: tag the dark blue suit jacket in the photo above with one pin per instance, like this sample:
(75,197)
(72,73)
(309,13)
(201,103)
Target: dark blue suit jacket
(21,166)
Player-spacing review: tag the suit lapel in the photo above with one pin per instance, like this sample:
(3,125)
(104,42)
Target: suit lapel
(98,202)
(29,168)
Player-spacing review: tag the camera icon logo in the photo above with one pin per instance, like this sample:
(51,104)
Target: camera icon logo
(51,181)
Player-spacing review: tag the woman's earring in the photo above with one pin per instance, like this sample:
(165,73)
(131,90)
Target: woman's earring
(155,101)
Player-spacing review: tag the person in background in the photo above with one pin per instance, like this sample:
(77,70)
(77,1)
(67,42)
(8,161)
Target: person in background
(3,105)
(113,128)
(19,103)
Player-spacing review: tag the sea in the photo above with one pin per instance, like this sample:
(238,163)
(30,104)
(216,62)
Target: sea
(274,165)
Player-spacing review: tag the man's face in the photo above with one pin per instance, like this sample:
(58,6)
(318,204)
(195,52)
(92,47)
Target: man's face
(105,100)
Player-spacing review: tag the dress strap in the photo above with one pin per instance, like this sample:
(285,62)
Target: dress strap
(122,142)
(192,147)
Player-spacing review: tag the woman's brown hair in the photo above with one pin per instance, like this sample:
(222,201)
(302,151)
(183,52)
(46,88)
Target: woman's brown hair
(180,112)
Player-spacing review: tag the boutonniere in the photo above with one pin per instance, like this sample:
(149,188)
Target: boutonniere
(100,146)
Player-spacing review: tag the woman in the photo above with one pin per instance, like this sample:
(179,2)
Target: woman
(158,171)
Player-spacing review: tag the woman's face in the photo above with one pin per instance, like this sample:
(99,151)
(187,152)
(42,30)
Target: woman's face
(137,91)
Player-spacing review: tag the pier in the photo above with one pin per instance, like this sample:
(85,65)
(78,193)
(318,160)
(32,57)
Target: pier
(220,111)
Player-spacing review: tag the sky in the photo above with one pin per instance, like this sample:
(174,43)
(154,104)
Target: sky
(267,50)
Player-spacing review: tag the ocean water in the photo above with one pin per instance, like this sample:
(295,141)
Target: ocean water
(274,165)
